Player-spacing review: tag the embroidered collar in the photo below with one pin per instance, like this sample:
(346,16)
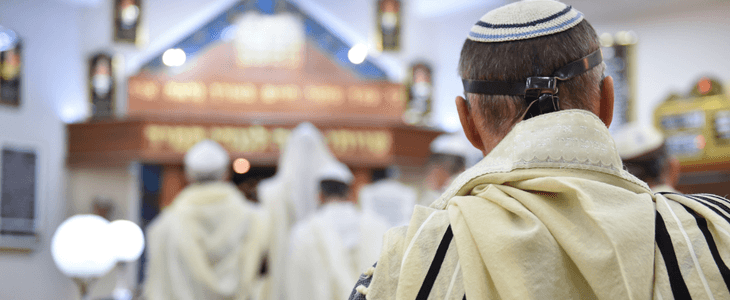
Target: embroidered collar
(568,139)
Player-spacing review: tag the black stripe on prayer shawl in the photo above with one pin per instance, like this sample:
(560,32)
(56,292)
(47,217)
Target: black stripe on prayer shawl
(702,224)
(699,200)
(433,270)
(713,201)
(703,199)
(713,208)
(718,197)
(664,241)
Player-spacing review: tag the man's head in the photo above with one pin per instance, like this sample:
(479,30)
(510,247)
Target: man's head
(334,182)
(451,153)
(206,161)
(521,40)
(644,154)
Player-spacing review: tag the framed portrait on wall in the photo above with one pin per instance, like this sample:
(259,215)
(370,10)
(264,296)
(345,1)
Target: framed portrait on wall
(101,86)
(420,94)
(20,189)
(11,66)
(127,17)
(389,25)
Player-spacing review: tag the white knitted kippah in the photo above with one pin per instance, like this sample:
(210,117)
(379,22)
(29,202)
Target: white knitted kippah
(335,170)
(207,158)
(525,20)
(634,140)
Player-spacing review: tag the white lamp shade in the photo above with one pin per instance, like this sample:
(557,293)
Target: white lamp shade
(81,247)
(127,240)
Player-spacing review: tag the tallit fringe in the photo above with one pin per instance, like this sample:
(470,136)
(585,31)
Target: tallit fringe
(369,272)
(362,290)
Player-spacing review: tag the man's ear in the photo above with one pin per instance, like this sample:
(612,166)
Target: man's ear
(467,122)
(605,107)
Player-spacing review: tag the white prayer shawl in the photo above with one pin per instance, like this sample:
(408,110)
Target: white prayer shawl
(550,213)
(291,195)
(390,199)
(207,244)
(329,250)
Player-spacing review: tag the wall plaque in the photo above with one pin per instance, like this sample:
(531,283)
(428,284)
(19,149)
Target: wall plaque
(127,16)
(101,86)
(420,93)
(11,74)
(389,24)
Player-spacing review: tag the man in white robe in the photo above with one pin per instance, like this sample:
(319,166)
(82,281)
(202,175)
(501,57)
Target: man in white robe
(549,213)
(389,199)
(290,196)
(208,243)
(644,153)
(332,247)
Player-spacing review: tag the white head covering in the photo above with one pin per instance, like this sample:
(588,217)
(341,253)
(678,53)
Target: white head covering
(634,140)
(291,195)
(335,170)
(390,199)
(207,160)
(457,144)
(295,180)
(525,20)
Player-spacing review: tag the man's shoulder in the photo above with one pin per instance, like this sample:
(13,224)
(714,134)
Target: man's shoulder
(407,253)
(691,230)
(698,205)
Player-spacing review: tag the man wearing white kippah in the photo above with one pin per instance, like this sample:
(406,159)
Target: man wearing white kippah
(644,154)
(329,249)
(549,213)
(209,243)
(451,154)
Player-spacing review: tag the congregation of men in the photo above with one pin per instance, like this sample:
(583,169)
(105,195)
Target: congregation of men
(550,212)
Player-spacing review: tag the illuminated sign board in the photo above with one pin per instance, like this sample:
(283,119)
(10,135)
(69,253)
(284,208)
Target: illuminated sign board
(151,95)
(258,139)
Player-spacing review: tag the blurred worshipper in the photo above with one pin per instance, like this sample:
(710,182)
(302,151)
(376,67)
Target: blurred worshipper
(329,249)
(389,198)
(549,213)
(208,243)
(451,154)
(290,196)
(644,154)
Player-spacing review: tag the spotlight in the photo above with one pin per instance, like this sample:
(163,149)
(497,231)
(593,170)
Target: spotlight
(174,57)
(241,165)
(357,53)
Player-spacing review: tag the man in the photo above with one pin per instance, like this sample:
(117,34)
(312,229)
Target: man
(328,251)
(549,213)
(389,199)
(289,197)
(451,153)
(208,243)
(644,154)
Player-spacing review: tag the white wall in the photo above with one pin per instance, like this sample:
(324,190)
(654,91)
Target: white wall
(118,184)
(52,68)
(676,47)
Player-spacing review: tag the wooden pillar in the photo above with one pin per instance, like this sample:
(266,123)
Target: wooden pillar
(362,177)
(173,181)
